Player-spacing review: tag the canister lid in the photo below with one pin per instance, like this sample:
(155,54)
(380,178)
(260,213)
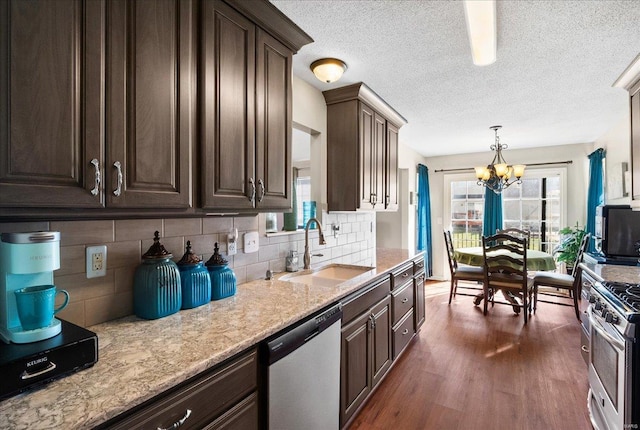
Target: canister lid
(216,259)
(31,237)
(189,258)
(156,250)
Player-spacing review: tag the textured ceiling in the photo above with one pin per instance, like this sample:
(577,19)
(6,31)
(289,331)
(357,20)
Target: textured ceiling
(550,85)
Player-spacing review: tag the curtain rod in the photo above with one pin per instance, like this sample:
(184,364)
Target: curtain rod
(528,165)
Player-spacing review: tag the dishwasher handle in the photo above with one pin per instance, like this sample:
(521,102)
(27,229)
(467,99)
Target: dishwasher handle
(292,339)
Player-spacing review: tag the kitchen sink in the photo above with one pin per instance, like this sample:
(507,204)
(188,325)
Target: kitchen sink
(327,276)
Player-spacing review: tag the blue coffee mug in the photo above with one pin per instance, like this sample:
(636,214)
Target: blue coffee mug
(36,305)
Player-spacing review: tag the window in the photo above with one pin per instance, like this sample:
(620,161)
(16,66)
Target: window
(303,193)
(535,205)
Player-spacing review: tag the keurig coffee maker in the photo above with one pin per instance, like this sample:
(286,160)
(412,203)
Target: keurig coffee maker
(26,260)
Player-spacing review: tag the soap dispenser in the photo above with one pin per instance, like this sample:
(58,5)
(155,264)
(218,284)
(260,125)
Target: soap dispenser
(223,280)
(196,283)
(157,290)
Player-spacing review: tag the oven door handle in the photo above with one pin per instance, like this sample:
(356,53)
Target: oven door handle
(597,325)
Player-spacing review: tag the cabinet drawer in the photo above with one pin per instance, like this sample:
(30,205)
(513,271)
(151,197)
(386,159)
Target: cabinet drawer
(402,301)
(402,334)
(418,266)
(207,397)
(363,299)
(402,275)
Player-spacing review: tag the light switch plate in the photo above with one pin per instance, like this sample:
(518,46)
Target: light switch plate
(96,261)
(251,242)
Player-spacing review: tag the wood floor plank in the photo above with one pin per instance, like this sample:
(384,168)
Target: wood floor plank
(466,371)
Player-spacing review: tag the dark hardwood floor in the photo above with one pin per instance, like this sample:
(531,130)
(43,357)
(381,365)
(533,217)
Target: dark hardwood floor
(465,370)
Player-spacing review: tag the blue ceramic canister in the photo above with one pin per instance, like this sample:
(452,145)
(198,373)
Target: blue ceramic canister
(157,290)
(196,284)
(223,280)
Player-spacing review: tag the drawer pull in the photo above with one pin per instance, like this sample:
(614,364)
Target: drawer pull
(405,300)
(405,274)
(405,331)
(584,349)
(51,366)
(179,422)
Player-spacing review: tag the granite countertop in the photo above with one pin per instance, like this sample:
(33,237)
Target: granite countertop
(613,272)
(139,359)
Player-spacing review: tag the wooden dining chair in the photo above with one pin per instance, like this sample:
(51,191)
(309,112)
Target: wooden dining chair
(505,269)
(571,284)
(462,273)
(522,234)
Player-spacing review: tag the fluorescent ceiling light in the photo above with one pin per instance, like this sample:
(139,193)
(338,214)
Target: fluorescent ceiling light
(481,26)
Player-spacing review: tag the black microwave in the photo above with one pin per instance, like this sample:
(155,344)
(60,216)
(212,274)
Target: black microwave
(617,230)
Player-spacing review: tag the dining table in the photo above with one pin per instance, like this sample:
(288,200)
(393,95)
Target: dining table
(536,260)
(474,256)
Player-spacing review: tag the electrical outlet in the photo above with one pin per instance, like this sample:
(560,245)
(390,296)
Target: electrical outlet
(96,261)
(232,242)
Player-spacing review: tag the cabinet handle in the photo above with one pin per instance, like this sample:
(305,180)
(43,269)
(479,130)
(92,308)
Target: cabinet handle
(373,322)
(253,190)
(386,200)
(96,187)
(405,331)
(405,300)
(118,189)
(261,184)
(179,422)
(584,349)
(373,199)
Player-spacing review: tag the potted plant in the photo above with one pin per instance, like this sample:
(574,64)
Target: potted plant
(567,250)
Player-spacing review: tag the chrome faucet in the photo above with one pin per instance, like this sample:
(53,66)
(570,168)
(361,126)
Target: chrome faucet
(307,255)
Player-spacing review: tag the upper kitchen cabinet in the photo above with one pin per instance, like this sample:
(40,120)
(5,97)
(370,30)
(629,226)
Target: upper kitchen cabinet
(362,150)
(245,105)
(51,103)
(97,103)
(150,116)
(630,80)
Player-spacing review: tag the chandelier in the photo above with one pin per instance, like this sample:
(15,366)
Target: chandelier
(496,175)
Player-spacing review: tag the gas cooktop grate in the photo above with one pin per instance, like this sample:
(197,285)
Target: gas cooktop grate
(629,294)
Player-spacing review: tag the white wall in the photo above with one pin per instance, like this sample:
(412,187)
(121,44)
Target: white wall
(397,229)
(577,183)
(617,143)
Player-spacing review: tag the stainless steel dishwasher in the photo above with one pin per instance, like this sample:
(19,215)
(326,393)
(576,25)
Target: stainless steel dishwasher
(303,374)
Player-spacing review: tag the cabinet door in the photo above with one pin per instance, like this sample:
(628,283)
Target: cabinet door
(51,99)
(378,161)
(391,169)
(367,156)
(381,340)
(150,118)
(227,108)
(355,366)
(273,123)
(635,143)
(419,307)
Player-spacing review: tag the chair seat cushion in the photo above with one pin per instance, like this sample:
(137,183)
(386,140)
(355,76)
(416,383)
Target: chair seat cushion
(470,272)
(509,282)
(553,279)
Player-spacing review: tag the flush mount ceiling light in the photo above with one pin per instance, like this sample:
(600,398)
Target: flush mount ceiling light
(497,174)
(481,26)
(328,69)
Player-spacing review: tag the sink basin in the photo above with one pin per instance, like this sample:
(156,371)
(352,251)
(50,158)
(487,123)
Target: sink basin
(328,276)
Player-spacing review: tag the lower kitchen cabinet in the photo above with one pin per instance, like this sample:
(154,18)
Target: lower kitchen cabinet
(224,397)
(366,347)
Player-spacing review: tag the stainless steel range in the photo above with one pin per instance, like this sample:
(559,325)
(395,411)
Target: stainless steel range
(614,359)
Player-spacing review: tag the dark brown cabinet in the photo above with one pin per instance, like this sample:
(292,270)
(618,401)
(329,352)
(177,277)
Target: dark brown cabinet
(246,121)
(149,98)
(366,345)
(362,150)
(51,102)
(99,102)
(224,397)
(419,275)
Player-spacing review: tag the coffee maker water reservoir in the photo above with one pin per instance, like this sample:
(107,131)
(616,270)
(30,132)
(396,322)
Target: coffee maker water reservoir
(26,259)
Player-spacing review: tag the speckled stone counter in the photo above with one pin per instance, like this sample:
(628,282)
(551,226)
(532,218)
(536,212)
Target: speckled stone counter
(139,359)
(612,272)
